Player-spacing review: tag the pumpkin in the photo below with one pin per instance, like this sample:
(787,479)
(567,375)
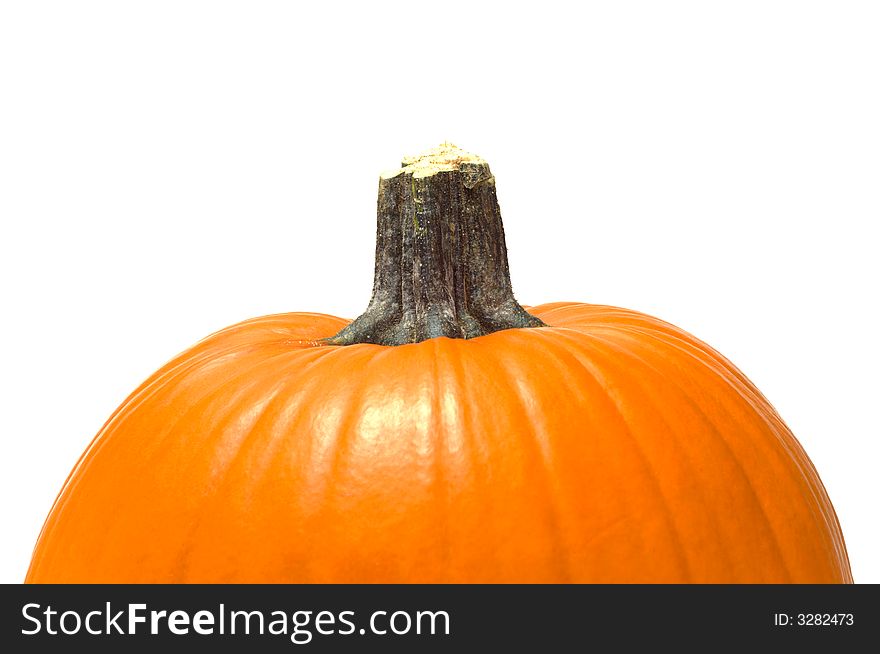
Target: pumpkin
(447,435)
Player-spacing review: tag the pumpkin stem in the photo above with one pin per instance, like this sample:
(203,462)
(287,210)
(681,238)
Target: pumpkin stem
(441,261)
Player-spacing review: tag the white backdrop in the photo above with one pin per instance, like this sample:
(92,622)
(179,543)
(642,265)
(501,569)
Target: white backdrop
(168,168)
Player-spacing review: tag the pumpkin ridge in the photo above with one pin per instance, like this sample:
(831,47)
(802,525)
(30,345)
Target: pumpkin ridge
(695,349)
(571,375)
(346,433)
(803,480)
(712,426)
(277,395)
(461,372)
(538,440)
(148,388)
(106,435)
(796,462)
(786,439)
(596,372)
(321,457)
(230,485)
(669,430)
(439,488)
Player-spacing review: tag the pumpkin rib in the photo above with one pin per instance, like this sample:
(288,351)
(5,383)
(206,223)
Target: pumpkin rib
(226,478)
(687,344)
(659,413)
(448,373)
(463,371)
(597,371)
(127,406)
(346,433)
(564,343)
(197,406)
(838,543)
(329,386)
(229,487)
(574,377)
(750,484)
(699,351)
(536,438)
(439,483)
(524,385)
(309,383)
(316,481)
(472,451)
(563,357)
(200,407)
(594,376)
(342,426)
(149,388)
(804,474)
(164,383)
(710,423)
(796,454)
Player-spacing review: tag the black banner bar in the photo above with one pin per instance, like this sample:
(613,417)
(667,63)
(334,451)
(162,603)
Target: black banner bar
(323,618)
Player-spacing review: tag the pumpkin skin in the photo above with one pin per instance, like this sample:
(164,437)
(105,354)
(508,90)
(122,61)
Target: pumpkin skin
(608,446)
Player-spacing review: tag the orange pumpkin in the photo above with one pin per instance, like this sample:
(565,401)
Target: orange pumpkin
(596,444)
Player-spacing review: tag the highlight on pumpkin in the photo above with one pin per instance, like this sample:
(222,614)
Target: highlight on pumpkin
(445,435)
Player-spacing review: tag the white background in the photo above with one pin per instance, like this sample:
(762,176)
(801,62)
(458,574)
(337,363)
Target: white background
(168,168)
